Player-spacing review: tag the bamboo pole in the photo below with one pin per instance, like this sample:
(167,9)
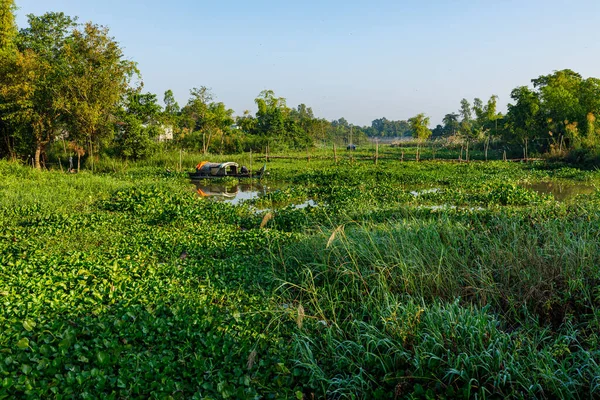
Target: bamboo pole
(376,152)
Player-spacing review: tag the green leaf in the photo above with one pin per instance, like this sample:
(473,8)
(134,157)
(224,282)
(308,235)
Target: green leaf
(28,325)
(23,343)
(102,357)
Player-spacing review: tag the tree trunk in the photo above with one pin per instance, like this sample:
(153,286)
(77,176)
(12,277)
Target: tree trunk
(38,152)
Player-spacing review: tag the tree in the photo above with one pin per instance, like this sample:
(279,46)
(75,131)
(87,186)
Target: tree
(523,117)
(560,105)
(10,77)
(137,125)
(271,115)
(466,123)
(99,77)
(133,138)
(419,125)
(172,110)
(193,115)
(451,124)
(8,27)
(218,122)
(143,106)
(46,69)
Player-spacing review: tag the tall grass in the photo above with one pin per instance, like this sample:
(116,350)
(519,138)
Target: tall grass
(449,307)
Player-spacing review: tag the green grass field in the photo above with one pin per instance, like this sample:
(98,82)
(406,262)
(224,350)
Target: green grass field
(430,279)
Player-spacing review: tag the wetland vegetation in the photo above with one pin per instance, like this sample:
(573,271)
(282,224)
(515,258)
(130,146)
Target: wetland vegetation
(373,262)
(130,284)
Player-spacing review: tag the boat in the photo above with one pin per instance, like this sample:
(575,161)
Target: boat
(210,170)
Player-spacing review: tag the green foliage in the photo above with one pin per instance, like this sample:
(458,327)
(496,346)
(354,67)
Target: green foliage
(419,126)
(134,141)
(8,27)
(405,280)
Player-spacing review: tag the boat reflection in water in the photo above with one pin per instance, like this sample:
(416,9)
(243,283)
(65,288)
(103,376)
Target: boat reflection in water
(233,194)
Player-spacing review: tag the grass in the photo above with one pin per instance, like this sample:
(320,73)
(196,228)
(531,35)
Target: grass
(125,283)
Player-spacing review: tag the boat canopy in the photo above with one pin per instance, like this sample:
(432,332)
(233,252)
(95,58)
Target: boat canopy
(217,169)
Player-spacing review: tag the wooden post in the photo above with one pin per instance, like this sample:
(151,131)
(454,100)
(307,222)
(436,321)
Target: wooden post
(526,154)
(467,151)
(307,155)
(59,163)
(487,145)
(417,156)
(250,163)
(376,152)
(504,156)
(461,151)
(334,154)
(180,159)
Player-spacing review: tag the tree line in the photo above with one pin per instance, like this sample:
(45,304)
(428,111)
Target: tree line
(68,85)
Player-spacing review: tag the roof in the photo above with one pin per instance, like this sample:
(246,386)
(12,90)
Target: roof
(207,166)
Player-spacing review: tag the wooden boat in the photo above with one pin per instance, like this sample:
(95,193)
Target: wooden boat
(208,170)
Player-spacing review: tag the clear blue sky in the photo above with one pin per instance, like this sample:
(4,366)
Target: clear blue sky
(355,59)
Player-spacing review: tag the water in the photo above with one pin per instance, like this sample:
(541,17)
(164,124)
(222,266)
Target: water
(235,194)
(561,191)
(418,193)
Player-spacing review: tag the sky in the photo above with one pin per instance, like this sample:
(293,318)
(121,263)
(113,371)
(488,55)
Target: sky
(360,60)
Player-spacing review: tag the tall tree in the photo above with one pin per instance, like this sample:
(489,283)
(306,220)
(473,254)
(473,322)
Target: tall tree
(171,106)
(466,123)
(8,71)
(218,123)
(560,104)
(193,115)
(99,77)
(48,72)
(271,115)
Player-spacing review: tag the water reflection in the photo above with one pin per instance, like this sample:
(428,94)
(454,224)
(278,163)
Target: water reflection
(561,191)
(233,194)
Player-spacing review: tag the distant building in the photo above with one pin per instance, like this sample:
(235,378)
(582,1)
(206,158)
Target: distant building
(166,133)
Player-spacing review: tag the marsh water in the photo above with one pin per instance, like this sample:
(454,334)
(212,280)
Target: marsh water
(561,191)
(235,194)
